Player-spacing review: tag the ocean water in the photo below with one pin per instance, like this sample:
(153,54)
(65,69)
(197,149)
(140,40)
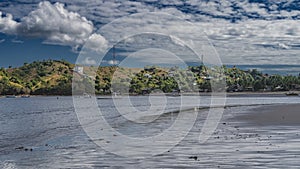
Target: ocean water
(44,132)
(272,69)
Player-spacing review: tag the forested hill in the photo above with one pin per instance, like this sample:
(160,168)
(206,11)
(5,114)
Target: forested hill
(45,77)
(52,77)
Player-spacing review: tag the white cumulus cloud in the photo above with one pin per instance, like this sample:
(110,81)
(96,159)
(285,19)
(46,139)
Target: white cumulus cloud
(88,61)
(97,43)
(54,23)
(7,24)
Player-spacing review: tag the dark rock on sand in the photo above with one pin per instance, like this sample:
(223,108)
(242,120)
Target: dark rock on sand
(23,148)
(19,148)
(193,157)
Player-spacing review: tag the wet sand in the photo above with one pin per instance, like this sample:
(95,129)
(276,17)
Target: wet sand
(45,133)
(284,114)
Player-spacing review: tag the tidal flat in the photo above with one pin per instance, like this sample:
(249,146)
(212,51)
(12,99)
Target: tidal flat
(254,132)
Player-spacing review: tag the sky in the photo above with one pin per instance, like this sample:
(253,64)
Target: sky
(243,32)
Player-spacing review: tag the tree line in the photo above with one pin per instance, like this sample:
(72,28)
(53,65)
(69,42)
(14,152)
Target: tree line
(53,77)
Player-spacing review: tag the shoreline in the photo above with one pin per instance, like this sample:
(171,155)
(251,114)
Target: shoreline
(228,94)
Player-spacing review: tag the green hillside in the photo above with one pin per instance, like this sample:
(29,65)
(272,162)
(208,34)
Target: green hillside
(46,77)
(52,77)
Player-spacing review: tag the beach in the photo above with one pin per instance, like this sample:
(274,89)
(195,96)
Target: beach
(254,132)
(277,115)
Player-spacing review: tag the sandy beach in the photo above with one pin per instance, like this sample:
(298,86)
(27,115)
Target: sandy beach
(285,114)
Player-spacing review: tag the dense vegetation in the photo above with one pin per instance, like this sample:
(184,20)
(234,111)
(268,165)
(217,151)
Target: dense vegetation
(52,77)
(46,78)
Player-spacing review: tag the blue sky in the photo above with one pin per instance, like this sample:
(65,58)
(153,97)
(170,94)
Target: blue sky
(16,51)
(244,32)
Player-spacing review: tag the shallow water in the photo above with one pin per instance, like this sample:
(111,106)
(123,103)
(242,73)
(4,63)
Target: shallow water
(49,130)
